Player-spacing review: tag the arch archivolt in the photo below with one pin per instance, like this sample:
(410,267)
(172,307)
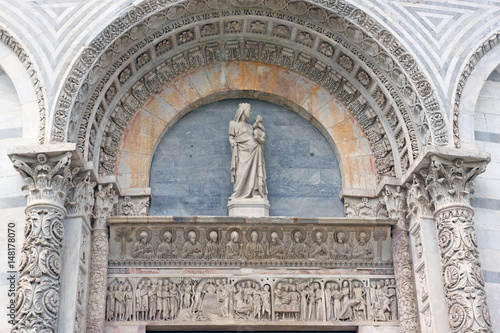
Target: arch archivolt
(29,88)
(476,71)
(338,47)
(245,80)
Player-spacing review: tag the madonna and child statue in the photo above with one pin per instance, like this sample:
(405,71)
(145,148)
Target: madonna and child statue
(248,169)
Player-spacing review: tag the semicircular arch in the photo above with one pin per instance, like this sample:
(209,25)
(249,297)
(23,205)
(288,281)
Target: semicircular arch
(335,45)
(246,80)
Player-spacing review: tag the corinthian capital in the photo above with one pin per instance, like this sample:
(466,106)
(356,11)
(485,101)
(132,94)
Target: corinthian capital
(451,182)
(48,179)
(105,201)
(80,200)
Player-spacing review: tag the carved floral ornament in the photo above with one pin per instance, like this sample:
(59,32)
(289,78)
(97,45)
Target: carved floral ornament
(404,88)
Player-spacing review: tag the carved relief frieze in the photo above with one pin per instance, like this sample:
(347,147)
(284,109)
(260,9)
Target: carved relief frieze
(178,299)
(242,245)
(364,207)
(133,206)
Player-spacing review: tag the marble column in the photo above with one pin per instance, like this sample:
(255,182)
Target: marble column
(105,201)
(394,199)
(48,180)
(450,185)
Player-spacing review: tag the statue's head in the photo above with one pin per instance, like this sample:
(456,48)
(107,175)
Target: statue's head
(143,236)
(298,236)
(362,237)
(213,236)
(274,237)
(234,236)
(340,237)
(244,111)
(168,236)
(254,236)
(319,237)
(192,236)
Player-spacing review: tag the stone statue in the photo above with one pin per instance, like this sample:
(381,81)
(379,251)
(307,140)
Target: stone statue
(142,247)
(255,249)
(213,250)
(276,248)
(341,249)
(167,248)
(319,250)
(248,173)
(233,247)
(298,249)
(363,250)
(192,248)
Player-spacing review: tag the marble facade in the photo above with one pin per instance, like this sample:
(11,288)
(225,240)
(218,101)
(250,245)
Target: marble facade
(404,254)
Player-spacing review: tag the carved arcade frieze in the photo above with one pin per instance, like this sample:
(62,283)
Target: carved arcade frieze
(320,299)
(249,244)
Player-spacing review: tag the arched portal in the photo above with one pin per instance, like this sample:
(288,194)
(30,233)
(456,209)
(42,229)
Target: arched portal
(333,65)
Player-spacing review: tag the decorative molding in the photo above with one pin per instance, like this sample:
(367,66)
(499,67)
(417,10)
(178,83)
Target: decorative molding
(23,56)
(105,200)
(406,84)
(487,46)
(450,184)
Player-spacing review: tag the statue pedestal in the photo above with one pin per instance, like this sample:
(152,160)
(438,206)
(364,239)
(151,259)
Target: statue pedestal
(255,207)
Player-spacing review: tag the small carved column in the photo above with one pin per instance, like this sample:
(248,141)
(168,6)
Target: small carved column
(450,187)
(37,297)
(405,283)
(105,200)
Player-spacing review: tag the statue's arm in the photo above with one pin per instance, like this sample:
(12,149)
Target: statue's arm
(232,133)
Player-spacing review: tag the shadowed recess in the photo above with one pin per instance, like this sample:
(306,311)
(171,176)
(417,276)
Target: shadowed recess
(190,170)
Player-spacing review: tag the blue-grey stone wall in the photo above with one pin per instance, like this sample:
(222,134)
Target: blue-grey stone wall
(190,169)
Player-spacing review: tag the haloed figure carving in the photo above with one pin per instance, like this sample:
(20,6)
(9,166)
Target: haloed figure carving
(248,172)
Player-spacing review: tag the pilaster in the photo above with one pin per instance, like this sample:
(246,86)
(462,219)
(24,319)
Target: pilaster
(426,259)
(48,180)
(76,259)
(105,201)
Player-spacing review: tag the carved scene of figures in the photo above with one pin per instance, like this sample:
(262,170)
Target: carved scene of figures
(267,299)
(245,245)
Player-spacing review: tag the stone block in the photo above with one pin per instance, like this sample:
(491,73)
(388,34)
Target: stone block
(255,207)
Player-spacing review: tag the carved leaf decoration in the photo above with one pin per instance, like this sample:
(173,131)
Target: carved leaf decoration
(43,263)
(460,314)
(481,312)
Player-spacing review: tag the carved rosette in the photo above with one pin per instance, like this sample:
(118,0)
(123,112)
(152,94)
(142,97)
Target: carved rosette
(37,297)
(450,186)
(104,205)
(394,198)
